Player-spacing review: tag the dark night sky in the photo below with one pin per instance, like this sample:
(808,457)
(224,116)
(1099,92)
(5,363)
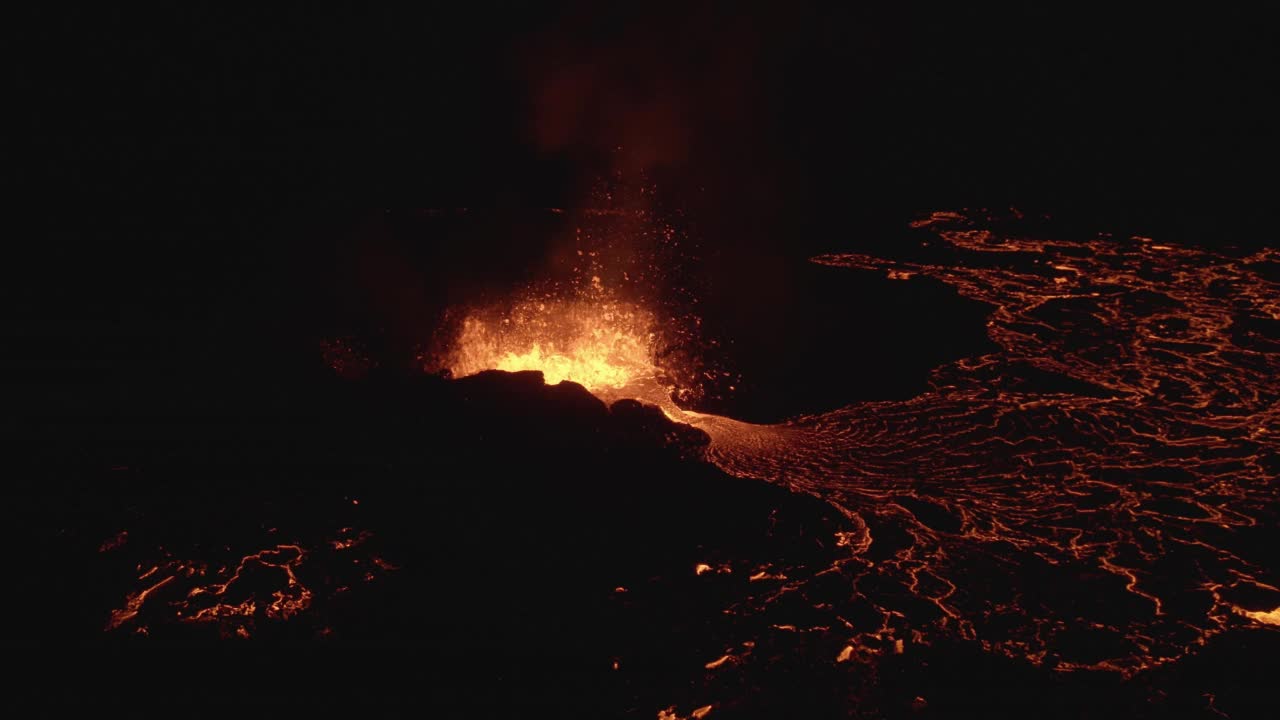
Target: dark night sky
(191,179)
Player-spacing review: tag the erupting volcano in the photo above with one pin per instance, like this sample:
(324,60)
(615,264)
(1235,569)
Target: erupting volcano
(1128,417)
(689,361)
(1094,496)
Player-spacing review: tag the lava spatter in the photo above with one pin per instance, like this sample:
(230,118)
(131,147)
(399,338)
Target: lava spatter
(601,344)
(617,313)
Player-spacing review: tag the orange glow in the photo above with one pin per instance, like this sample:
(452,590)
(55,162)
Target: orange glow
(1268,617)
(133,604)
(1130,404)
(598,343)
(285,603)
(718,662)
(262,586)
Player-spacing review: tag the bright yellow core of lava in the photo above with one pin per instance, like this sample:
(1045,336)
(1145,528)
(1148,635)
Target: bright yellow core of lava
(599,345)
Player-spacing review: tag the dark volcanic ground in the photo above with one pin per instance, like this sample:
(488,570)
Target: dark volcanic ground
(518,548)
(249,517)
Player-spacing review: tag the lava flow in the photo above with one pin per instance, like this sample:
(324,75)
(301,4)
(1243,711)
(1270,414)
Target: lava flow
(1097,494)
(241,596)
(1083,498)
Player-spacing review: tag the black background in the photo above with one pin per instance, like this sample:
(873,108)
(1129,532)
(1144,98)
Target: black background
(201,191)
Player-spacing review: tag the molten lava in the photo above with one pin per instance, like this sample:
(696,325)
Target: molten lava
(1166,437)
(1092,495)
(599,343)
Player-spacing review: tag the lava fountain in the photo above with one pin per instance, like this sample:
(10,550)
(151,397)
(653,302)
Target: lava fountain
(602,344)
(610,316)
(609,346)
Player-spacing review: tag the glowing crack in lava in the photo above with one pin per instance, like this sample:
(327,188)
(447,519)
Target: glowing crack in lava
(244,593)
(1085,497)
